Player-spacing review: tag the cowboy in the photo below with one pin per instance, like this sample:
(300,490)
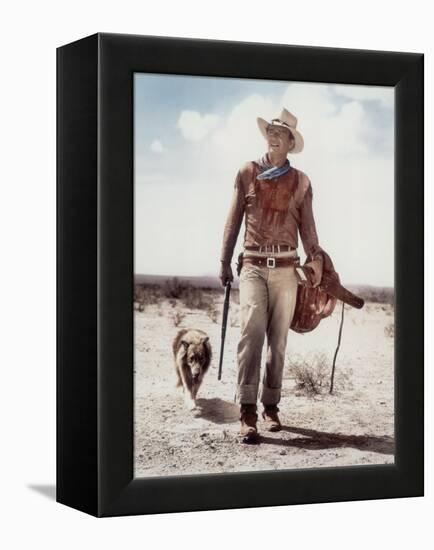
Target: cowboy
(275,200)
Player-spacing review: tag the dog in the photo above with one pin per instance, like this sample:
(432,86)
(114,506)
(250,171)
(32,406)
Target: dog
(192,353)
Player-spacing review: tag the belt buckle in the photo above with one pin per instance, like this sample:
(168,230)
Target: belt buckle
(271,263)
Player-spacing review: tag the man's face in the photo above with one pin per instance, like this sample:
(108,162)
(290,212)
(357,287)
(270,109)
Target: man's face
(279,140)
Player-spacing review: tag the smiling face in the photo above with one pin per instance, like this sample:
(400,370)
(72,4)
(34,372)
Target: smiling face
(280,141)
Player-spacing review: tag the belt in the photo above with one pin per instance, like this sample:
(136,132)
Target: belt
(272,262)
(271,248)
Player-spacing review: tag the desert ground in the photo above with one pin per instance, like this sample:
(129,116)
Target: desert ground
(353,426)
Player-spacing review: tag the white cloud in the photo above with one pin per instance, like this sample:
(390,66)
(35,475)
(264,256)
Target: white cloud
(157,146)
(326,131)
(239,133)
(384,94)
(352,183)
(194,126)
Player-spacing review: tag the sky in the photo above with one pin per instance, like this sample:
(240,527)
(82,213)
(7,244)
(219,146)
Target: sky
(192,134)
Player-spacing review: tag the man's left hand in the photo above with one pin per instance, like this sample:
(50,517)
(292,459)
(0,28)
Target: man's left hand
(316,266)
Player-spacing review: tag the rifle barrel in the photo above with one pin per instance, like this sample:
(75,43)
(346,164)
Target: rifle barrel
(224,323)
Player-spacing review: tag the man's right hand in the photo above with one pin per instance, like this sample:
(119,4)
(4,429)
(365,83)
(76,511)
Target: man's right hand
(226,275)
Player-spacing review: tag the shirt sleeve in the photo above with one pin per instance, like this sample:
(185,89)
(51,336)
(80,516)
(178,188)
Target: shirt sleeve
(308,234)
(233,221)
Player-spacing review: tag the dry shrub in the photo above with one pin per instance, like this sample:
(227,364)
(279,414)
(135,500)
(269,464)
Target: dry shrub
(175,291)
(177,317)
(146,295)
(196,298)
(139,298)
(343,379)
(235,296)
(174,288)
(139,306)
(192,297)
(234,320)
(312,375)
(213,313)
(389,330)
(377,295)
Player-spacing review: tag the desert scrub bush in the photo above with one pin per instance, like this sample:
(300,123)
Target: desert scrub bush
(192,297)
(234,320)
(311,374)
(235,296)
(174,288)
(343,379)
(196,298)
(389,330)
(146,295)
(213,313)
(177,317)
(138,299)
(377,295)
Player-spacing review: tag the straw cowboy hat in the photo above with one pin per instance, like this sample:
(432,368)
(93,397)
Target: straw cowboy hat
(288,121)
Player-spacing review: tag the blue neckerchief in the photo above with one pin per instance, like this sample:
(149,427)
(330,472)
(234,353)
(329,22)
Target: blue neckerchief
(269,172)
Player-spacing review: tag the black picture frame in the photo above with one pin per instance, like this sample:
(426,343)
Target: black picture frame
(95,274)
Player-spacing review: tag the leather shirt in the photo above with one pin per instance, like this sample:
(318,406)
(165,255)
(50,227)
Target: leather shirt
(275,211)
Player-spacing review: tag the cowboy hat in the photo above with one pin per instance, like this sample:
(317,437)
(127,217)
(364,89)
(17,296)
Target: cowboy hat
(288,121)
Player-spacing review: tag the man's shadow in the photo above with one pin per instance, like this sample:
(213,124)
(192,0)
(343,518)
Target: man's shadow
(316,440)
(218,411)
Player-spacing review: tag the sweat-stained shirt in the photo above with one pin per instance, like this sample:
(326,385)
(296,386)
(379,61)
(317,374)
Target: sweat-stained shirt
(275,211)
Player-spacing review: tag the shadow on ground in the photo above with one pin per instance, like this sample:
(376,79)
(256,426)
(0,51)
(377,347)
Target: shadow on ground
(312,439)
(48,491)
(218,411)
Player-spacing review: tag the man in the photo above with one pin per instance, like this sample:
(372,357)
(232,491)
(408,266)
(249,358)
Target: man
(276,201)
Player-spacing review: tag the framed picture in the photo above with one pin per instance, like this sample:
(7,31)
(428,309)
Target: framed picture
(178,389)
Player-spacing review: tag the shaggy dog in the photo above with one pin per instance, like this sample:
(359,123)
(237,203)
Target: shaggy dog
(192,353)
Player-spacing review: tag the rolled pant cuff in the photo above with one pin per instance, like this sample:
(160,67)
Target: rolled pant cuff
(270,396)
(247,394)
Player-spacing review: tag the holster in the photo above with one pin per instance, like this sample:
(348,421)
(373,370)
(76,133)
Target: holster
(333,287)
(314,304)
(239,263)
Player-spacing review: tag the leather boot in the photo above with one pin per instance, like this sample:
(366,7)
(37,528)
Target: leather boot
(248,417)
(271,418)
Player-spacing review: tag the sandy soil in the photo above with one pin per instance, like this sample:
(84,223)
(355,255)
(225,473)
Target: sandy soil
(353,426)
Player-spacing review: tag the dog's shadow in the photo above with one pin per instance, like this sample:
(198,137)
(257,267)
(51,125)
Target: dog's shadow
(316,440)
(218,411)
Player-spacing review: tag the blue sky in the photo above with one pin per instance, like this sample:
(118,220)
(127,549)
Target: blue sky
(193,133)
(160,98)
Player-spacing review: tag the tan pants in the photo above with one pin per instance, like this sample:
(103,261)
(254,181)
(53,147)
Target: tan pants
(267,302)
